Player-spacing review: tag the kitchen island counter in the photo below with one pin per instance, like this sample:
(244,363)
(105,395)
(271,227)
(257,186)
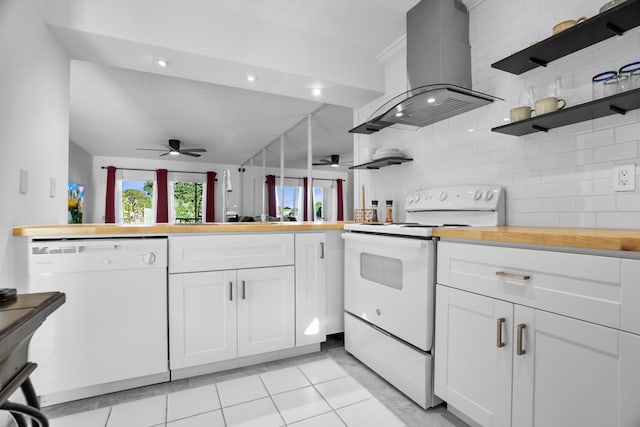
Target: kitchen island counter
(64,230)
(585,238)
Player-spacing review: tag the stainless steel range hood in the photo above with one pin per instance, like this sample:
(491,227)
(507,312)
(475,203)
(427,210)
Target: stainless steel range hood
(438,69)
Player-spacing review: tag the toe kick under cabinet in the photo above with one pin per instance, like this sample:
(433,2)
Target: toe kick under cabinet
(532,337)
(233,297)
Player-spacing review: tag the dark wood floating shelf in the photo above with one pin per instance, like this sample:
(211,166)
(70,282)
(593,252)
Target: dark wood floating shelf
(615,104)
(602,26)
(380,163)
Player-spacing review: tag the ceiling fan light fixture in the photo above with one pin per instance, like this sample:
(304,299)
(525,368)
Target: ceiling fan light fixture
(174,153)
(335,165)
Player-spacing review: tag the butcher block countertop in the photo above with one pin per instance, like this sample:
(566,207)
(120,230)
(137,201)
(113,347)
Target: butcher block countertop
(64,230)
(587,238)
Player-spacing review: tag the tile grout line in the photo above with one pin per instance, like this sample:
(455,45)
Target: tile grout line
(321,395)
(272,401)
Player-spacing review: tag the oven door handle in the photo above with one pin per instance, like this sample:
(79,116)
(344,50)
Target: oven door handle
(385,240)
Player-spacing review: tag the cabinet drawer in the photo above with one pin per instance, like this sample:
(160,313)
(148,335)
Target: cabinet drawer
(231,251)
(598,289)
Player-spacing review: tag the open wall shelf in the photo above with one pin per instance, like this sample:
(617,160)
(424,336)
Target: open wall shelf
(615,104)
(380,163)
(600,27)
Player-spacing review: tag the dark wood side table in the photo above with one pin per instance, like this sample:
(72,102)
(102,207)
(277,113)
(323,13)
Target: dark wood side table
(19,319)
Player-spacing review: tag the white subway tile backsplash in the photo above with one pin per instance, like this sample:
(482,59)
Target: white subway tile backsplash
(560,178)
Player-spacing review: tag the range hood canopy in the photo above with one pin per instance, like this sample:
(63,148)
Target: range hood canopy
(438,69)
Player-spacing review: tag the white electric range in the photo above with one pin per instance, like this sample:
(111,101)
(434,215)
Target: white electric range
(390,283)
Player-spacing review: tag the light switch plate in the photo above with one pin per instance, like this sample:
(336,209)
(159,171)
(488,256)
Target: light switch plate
(52,187)
(24,181)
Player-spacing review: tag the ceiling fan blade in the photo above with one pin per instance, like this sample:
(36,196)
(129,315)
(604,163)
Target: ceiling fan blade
(151,149)
(186,153)
(193,150)
(165,154)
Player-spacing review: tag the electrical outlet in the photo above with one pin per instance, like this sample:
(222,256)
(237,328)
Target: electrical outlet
(624,178)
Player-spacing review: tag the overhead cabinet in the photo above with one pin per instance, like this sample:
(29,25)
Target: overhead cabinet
(537,338)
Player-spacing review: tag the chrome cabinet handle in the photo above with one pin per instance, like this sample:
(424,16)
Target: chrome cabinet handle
(244,290)
(321,250)
(519,350)
(499,342)
(512,275)
(230,291)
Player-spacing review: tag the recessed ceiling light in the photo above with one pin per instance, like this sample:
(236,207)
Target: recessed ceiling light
(471,130)
(431,100)
(251,78)
(162,62)
(399,114)
(317,92)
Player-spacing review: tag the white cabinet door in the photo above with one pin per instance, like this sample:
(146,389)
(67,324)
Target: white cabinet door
(202,318)
(311,288)
(473,355)
(574,373)
(265,310)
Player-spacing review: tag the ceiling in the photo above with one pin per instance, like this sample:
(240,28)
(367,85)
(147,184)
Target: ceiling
(120,99)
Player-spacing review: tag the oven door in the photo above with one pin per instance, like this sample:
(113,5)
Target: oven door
(389,282)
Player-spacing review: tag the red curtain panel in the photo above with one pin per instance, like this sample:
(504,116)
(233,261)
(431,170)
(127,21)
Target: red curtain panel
(340,200)
(210,208)
(271,193)
(162,208)
(110,201)
(305,209)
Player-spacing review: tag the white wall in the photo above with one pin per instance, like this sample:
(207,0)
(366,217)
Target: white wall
(34,119)
(560,178)
(81,172)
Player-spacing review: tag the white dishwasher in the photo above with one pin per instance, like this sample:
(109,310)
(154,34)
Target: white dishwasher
(111,334)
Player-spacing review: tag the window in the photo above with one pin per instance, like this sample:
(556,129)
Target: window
(292,206)
(318,203)
(187,201)
(137,201)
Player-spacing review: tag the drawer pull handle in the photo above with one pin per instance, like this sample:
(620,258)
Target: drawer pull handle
(519,350)
(321,250)
(244,290)
(499,342)
(230,291)
(512,275)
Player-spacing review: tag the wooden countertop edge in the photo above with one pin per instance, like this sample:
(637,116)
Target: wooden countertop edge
(64,230)
(587,238)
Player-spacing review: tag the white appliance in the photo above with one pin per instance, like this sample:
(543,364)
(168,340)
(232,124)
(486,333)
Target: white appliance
(390,283)
(111,334)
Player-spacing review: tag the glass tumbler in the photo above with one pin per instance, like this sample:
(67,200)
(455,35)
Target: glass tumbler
(604,84)
(632,73)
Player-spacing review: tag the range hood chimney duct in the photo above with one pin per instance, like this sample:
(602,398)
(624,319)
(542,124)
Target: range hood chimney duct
(438,70)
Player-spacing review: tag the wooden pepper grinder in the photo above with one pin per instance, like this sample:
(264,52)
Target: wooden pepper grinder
(389,211)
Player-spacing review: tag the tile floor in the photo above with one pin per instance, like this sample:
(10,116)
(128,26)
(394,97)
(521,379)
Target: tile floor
(325,389)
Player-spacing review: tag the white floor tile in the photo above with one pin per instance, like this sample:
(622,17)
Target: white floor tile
(284,380)
(185,403)
(369,413)
(241,390)
(330,419)
(208,419)
(259,413)
(95,418)
(322,370)
(299,404)
(343,391)
(139,413)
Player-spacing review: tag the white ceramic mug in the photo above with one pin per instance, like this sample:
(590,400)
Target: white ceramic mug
(549,105)
(520,113)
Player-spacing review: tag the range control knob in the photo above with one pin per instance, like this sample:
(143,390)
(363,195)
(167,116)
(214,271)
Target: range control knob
(149,258)
(443,196)
(477,195)
(488,195)
(416,198)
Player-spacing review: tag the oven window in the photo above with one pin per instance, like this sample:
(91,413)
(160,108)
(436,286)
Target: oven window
(381,269)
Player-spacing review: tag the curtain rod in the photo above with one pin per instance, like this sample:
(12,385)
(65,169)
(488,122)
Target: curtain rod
(150,170)
(303,177)
(153,170)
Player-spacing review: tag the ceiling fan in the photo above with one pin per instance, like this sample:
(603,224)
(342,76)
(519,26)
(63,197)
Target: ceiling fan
(174,149)
(333,161)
